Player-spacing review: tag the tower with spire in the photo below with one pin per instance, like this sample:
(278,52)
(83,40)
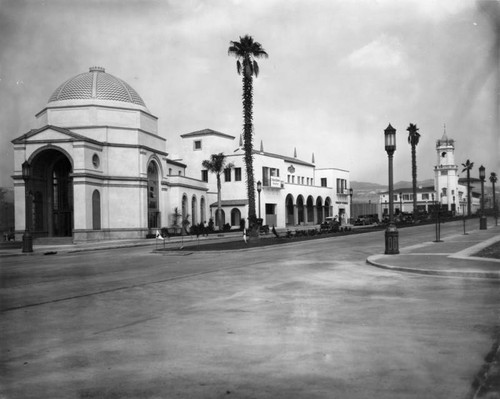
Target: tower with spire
(446,174)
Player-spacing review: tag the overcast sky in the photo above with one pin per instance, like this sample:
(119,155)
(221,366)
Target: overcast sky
(338,72)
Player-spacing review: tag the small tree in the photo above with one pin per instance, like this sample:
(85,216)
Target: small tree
(217,164)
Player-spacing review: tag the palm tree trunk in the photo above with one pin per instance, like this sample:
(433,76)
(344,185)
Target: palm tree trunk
(248,146)
(219,206)
(414,178)
(468,193)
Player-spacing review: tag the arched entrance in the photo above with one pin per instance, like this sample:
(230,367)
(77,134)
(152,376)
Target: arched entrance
(310,209)
(51,190)
(328,207)
(319,209)
(300,209)
(235,217)
(290,219)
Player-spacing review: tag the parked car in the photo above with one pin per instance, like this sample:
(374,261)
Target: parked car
(365,220)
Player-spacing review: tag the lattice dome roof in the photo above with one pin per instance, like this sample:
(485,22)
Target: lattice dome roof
(97,85)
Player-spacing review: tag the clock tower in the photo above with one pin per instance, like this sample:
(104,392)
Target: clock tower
(445,174)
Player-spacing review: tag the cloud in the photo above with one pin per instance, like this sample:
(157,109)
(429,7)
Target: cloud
(385,52)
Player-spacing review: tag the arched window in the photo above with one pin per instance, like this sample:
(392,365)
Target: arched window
(184,206)
(96,210)
(153,197)
(194,210)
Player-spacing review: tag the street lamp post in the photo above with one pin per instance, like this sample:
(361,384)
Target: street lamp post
(391,233)
(482,218)
(493,180)
(27,237)
(350,203)
(259,189)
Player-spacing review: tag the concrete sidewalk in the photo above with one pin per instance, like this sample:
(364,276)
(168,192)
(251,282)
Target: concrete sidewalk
(453,256)
(177,241)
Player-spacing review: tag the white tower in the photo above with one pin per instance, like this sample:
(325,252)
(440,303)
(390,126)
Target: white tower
(445,173)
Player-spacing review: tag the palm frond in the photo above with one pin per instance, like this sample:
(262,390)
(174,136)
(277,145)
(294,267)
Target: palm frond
(255,68)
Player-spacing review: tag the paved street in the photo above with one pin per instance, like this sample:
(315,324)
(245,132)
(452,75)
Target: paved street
(308,319)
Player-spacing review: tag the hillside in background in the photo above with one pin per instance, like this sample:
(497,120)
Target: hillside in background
(365,192)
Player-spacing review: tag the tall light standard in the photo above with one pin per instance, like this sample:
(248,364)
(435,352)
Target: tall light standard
(493,180)
(391,233)
(27,237)
(350,203)
(259,189)
(482,218)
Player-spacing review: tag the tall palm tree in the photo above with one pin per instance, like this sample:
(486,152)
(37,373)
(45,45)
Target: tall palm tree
(468,165)
(493,180)
(413,139)
(217,164)
(246,51)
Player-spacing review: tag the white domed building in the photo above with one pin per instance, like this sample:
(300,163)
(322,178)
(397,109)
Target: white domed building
(98,168)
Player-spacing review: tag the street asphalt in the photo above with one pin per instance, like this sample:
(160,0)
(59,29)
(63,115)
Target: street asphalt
(452,257)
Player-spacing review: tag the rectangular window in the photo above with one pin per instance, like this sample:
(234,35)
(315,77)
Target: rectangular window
(425,196)
(227,174)
(323,182)
(265,176)
(270,177)
(341,186)
(204,175)
(237,174)
(197,145)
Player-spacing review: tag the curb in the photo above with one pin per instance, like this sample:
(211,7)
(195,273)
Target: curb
(372,260)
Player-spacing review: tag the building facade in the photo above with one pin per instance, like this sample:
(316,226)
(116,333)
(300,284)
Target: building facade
(99,169)
(293,191)
(448,193)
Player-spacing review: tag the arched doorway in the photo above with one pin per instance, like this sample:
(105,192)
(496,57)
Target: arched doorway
(300,209)
(310,209)
(328,207)
(235,217)
(290,219)
(51,191)
(319,209)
